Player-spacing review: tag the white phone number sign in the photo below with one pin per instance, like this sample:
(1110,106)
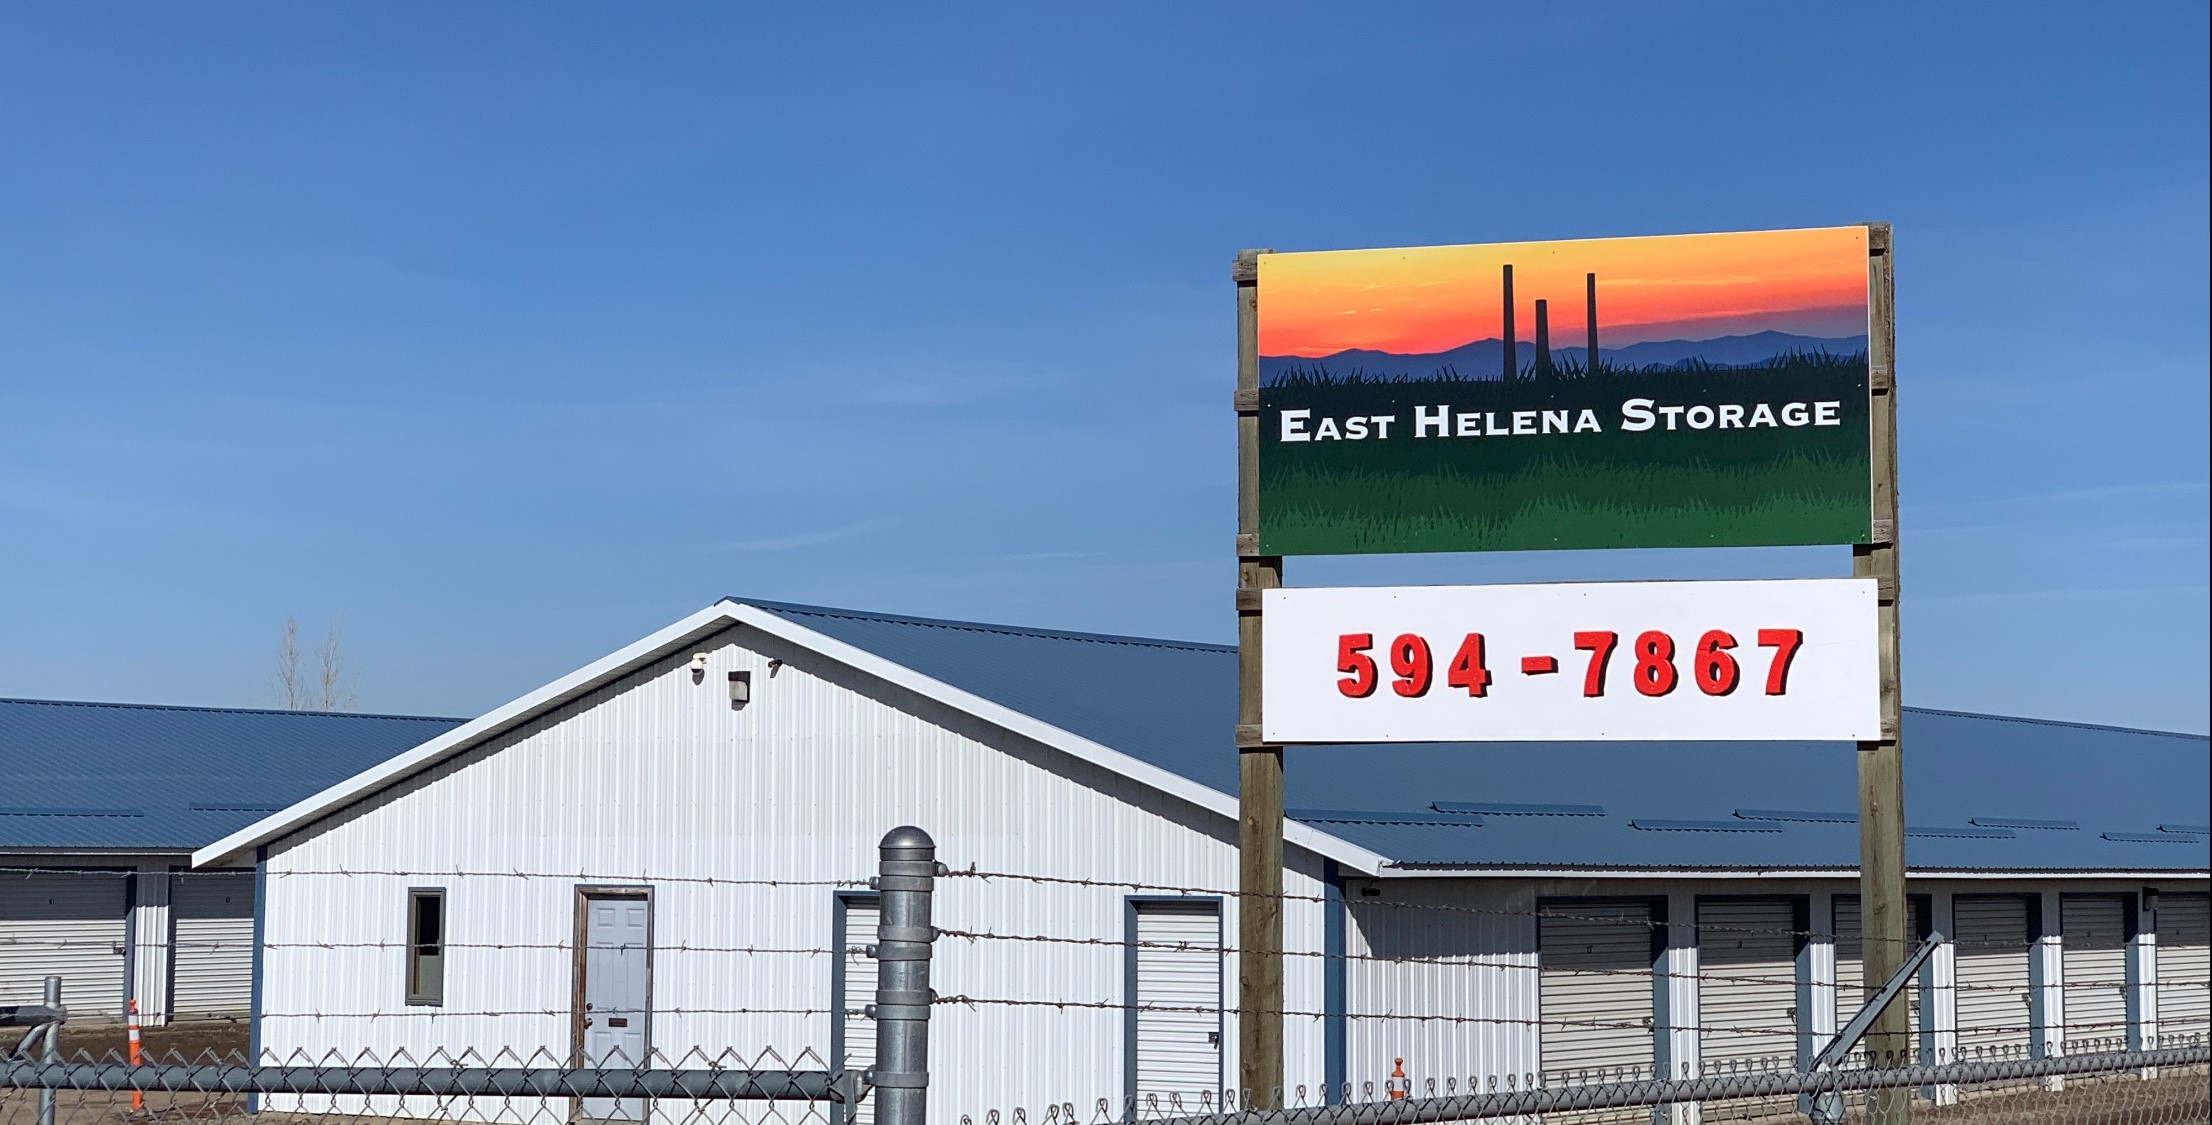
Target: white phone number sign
(1619,661)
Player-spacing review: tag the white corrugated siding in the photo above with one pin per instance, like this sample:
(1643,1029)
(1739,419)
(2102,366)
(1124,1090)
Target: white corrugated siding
(1178,977)
(861,919)
(2094,948)
(1408,960)
(1851,966)
(1990,936)
(657,779)
(71,925)
(1747,997)
(2184,970)
(212,950)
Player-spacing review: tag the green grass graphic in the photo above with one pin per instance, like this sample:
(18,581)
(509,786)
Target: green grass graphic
(1681,488)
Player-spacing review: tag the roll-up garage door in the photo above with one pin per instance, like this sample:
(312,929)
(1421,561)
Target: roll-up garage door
(1747,998)
(1851,964)
(1178,1014)
(859,1032)
(1594,986)
(70,925)
(1992,940)
(213,944)
(2184,971)
(2095,949)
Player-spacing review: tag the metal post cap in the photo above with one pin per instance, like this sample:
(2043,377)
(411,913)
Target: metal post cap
(907,838)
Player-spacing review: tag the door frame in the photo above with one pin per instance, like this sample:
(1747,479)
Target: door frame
(1130,905)
(585,892)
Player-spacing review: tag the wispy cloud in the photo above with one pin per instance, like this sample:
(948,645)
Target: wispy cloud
(802,540)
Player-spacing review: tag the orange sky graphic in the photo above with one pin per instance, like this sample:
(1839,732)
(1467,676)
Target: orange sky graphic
(1693,286)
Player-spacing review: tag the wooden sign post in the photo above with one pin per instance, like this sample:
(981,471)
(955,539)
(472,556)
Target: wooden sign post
(1259,767)
(1884,919)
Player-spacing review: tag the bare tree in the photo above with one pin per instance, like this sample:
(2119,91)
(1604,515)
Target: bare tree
(330,689)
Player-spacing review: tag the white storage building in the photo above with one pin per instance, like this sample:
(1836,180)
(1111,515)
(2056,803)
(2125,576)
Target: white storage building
(1477,910)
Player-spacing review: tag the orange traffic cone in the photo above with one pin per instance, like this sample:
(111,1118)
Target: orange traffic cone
(138,1097)
(1399,1085)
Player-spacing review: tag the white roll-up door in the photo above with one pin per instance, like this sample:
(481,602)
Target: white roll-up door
(1747,995)
(212,949)
(1992,942)
(1594,986)
(71,925)
(2184,970)
(1851,964)
(2094,947)
(861,918)
(1179,1000)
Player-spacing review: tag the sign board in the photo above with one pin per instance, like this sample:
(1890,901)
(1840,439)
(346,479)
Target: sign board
(1634,661)
(1677,391)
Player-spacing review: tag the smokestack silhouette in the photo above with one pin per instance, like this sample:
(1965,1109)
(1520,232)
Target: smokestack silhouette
(1590,302)
(1543,336)
(1512,369)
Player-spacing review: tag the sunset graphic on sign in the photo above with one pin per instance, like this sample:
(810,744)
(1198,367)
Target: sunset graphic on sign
(1671,391)
(1425,300)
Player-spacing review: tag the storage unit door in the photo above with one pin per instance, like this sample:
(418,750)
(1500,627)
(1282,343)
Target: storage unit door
(1851,965)
(68,925)
(1991,942)
(2184,972)
(1594,986)
(2095,946)
(1178,1014)
(861,918)
(1747,998)
(212,949)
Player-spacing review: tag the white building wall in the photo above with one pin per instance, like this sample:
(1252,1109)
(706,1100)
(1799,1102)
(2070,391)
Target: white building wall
(1441,973)
(657,781)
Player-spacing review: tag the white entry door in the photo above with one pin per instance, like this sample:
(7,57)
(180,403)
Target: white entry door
(1178,1013)
(617,956)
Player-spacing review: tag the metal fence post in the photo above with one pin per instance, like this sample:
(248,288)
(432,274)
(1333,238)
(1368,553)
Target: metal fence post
(907,866)
(52,1052)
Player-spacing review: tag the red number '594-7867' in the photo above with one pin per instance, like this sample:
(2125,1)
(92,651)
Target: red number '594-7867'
(1713,666)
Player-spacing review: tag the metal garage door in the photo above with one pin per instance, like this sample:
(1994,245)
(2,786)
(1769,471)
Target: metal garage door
(1851,965)
(1594,986)
(2184,970)
(213,944)
(861,918)
(71,925)
(2095,944)
(1747,1000)
(1179,998)
(1992,941)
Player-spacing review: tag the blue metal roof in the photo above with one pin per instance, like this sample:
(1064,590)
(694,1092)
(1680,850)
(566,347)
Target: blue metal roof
(132,777)
(1173,704)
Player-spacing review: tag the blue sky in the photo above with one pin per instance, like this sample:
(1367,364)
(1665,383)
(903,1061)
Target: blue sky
(511,333)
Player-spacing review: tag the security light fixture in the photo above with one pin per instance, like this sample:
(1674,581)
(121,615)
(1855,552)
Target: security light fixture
(741,688)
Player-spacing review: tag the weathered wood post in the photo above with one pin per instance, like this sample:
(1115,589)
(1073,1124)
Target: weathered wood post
(1259,766)
(1883,916)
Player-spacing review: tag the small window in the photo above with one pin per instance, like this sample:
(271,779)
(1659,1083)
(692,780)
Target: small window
(426,946)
